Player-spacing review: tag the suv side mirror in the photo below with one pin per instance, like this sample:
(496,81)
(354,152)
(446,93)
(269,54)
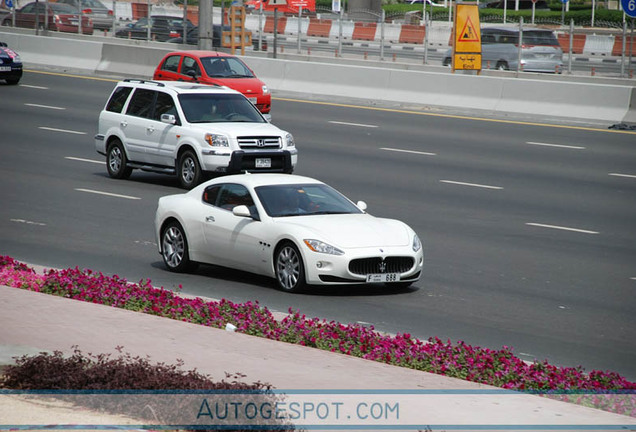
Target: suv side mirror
(168,118)
(362,205)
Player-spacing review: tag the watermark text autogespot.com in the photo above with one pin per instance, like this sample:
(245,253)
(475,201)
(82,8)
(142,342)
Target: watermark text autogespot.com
(306,411)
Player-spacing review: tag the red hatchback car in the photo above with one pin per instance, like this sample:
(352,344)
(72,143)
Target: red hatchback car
(61,17)
(212,67)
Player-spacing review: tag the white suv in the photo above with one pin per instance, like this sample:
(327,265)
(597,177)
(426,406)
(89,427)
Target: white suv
(189,130)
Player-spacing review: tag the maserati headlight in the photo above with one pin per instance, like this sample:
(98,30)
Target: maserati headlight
(417,245)
(265,90)
(322,247)
(216,140)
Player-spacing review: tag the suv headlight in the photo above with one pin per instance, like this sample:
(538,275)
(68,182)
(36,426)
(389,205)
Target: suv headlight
(417,244)
(265,90)
(216,140)
(322,247)
(289,140)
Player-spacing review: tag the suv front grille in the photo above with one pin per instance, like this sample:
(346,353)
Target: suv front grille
(259,142)
(364,266)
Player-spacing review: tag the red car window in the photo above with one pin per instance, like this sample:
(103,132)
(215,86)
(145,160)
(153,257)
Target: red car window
(190,65)
(171,64)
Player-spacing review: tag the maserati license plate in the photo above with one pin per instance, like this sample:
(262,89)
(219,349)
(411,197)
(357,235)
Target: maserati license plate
(263,163)
(5,68)
(253,100)
(383,277)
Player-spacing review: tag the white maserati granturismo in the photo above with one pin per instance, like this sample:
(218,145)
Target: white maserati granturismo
(294,229)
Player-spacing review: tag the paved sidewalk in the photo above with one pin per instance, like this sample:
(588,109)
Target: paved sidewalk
(32,322)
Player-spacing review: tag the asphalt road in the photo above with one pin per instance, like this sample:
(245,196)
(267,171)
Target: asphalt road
(529,229)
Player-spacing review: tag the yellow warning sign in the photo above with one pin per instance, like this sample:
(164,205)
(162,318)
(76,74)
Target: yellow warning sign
(467,61)
(469,33)
(466,37)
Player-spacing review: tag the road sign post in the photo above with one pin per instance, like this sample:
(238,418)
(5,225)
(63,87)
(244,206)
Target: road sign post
(563,3)
(534,2)
(276,4)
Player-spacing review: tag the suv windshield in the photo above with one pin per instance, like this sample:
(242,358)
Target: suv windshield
(219,108)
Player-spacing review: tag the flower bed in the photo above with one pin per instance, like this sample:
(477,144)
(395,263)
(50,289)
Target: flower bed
(499,368)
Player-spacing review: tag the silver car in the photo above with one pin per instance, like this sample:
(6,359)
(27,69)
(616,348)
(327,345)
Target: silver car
(540,50)
(101,15)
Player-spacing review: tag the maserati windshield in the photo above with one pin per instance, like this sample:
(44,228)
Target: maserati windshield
(303,200)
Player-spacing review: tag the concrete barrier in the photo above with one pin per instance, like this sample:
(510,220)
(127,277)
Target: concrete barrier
(292,26)
(391,33)
(132,60)
(599,44)
(614,102)
(380,84)
(319,27)
(563,99)
(604,102)
(76,54)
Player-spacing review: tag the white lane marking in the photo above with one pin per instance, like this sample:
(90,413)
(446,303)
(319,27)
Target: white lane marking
(145,243)
(28,222)
(634,278)
(44,106)
(561,228)
(471,184)
(353,124)
(61,130)
(84,160)
(555,145)
(107,194)
(622,175)
(34,87)
(408,151)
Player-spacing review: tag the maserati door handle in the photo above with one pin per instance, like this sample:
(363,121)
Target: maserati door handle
(209,218)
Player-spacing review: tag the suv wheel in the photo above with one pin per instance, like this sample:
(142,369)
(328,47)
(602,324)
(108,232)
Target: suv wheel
(116,161)
(189,170)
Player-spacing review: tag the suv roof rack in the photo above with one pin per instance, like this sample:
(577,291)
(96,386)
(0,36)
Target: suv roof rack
(143,81)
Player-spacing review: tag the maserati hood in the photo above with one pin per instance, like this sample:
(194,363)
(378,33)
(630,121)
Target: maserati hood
(351,230)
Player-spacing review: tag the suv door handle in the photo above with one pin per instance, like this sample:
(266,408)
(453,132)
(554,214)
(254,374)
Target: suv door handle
(150,129)
(123,123)
(209,218)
